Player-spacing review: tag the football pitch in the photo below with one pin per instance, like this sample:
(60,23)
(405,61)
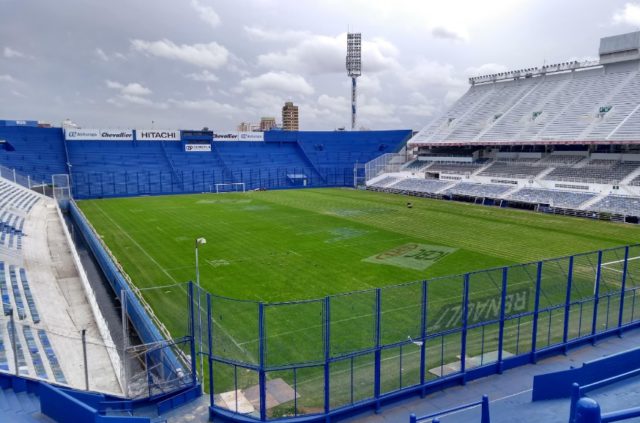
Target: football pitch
(279,246)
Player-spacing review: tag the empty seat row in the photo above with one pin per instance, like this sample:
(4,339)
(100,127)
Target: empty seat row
(12,286)
(387,180)
(419,185)
(618,204)
(564,199)
(478,190)
(49,352)
(513,170)
(34,352)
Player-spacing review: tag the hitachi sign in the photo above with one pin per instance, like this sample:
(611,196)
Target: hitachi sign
(157,135)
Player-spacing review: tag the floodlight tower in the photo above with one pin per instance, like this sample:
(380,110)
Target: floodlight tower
(354,69)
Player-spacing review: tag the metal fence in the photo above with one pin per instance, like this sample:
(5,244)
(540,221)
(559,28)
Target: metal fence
(118,184)
(387,163)
(329,356)
(24,180)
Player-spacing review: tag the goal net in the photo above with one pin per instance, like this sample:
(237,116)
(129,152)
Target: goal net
(231,187)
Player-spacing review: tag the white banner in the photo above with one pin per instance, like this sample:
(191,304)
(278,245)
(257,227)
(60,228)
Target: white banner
(157,135)
(99,134)
(238,136)
(197,148)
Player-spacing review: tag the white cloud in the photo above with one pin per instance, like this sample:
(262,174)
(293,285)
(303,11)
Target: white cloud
(206,13)
(320,54)
(132,93)
(211,55)
(261,34)
(486,69)
(339,104)
(204,76)
(282,82)
(428,73)
(449,33)
(132,88)
(7,78)
(418,105)
(10,53)
(206,105)
(629,14)
(101,55)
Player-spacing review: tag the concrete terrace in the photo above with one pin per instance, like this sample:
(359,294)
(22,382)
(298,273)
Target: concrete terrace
(63,309)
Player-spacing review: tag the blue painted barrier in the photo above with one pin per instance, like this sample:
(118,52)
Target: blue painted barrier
(558,384)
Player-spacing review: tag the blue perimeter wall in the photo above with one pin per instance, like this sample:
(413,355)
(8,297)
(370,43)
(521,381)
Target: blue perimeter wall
(122,168)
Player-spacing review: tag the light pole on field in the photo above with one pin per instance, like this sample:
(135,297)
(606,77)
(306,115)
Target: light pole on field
(199,241)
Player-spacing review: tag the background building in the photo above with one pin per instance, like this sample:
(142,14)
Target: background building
(290,117)
(267,123)
(244,127)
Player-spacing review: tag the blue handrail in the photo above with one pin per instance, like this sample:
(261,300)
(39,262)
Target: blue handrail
(484,402)
(577,391)
(588,411)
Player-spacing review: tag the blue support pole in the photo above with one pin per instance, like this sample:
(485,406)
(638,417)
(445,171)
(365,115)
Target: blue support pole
(596,298)
(378,353)
(567,305)
(623,288)
(192,334)
(575,397)
(536,312)
(463,340)
(210,342)
(262,380)
(423,335)
(413,418)
(327,354)
(486,416)
(503,300)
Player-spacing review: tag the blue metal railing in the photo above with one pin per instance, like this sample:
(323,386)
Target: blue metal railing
(483,403)
(578,391)
(588,411)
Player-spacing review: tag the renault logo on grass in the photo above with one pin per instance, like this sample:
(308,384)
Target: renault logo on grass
(412,256)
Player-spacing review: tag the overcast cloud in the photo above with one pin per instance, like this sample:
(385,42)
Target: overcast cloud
(196,63)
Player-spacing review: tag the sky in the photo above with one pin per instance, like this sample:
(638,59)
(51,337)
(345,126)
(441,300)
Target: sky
(196,63)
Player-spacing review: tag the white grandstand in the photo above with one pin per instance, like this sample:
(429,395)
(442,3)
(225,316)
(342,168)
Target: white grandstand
(558,137)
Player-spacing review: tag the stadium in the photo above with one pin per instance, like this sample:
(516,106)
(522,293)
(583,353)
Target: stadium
(484,267)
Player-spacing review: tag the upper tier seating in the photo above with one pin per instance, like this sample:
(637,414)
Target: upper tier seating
(37,152)
(512,170)
(594,173)
(589,104)
(457,168)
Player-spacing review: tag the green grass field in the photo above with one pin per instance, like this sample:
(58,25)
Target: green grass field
(277,246)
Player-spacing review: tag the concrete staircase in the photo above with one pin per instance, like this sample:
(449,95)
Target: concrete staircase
(20,407)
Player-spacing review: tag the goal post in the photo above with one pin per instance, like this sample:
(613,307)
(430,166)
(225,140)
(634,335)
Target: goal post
(228,187)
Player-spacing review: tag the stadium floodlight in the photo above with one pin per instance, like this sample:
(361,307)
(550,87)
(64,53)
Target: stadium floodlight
(199,241)
(354,69)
